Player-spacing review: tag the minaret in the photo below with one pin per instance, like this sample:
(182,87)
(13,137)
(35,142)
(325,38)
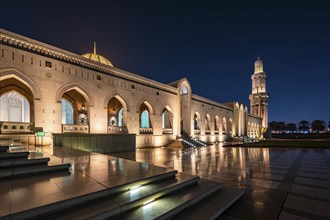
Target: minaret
(259,96)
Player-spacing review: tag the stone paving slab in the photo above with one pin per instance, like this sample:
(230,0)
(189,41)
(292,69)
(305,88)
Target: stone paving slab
(312,206)
(288,216)
(314,175)
(315,192)
(315,170)
(305,173)
(20,194)
(313,182)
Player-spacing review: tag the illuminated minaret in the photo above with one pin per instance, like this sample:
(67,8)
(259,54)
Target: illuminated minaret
(259,96)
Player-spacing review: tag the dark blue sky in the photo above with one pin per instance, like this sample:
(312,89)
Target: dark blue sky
(212,43)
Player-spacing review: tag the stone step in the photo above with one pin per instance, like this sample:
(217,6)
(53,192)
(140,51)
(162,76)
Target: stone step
(170,205)
(53,205)
(31,170)
(114,205)
(212,206)
(4,148)
(23,162)
(13,155)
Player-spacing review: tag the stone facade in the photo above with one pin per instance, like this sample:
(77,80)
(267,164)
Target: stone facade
(259,96)
(105,99)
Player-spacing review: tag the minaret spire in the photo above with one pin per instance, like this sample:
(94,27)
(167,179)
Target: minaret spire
(259,97)
(94,47)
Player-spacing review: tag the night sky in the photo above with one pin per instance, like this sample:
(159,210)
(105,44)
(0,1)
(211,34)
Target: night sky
(212,43)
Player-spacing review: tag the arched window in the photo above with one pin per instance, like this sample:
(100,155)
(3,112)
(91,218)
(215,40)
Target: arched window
(166,120)
(216,122)
(206,124)
(14,107)
(224,125)
(120,117)
(183,89)
(145,119)
(67,112)
(115,112)
(196,123)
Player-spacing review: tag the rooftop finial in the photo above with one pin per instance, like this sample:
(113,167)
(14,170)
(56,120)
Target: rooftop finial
(94,47)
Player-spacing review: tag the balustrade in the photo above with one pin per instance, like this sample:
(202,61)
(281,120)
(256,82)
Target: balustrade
(15,127)
(117,130)
(167,130)
(75,128)
(146,131)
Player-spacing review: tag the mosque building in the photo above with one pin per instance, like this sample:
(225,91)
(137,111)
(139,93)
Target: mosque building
(45,88)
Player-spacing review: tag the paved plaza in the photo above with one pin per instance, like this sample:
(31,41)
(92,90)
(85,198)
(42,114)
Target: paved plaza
(280,183)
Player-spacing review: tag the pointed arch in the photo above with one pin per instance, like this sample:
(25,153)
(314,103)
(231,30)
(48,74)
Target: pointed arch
(167,107)
(216,123)
(208,117)
(198,115)
(196,121)
(167,116)
(224,125)
(118,96)
(207,121)
(77,86)
(147,102)
(184,83)
(23,78)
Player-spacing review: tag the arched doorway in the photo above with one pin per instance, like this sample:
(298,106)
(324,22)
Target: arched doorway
(167,121)
(16,107)
(207,124)
(185,113)
(144,118)
(197,129)
(116,122)
(75,112)
(216,124)
(224,125)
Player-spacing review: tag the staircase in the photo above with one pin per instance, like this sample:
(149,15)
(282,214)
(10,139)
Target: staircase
(244,139)
(189,142)
(166,196)
(132,193)
(17,164)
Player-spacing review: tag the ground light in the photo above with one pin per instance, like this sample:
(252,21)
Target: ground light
(149,201)
(135,187)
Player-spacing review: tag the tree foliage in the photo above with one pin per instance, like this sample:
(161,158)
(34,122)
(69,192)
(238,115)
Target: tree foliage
(318,125)
(291,127)
(304,125)
(280,127)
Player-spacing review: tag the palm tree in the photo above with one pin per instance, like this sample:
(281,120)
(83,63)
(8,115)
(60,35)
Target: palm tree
(273,126)
(291,127)
(318,125)
(304,125)
(281,126)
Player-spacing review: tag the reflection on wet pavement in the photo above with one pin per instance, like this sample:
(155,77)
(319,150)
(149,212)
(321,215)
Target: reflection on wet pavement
(272,177)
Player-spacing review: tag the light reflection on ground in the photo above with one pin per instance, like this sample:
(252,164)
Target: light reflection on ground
(207,161)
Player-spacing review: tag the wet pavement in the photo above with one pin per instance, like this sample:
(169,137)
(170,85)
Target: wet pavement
(280,183)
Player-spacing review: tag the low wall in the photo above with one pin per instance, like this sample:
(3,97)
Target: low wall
(100,143)
(150,140)
(31,139)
